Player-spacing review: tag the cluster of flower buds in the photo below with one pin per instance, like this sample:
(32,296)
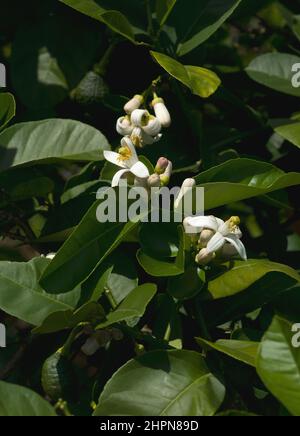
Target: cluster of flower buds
(138,128)
(216,238)
(139,125)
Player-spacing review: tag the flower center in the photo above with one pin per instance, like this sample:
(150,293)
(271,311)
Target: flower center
(124,154)
(233,223)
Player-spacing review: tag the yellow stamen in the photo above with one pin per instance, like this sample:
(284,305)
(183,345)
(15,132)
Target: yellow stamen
(234,222)
(124,154)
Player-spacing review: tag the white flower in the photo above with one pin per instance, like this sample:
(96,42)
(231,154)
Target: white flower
(146,128)
(161,112)
(124,126)
(224,233)
(134,103)
(127,159)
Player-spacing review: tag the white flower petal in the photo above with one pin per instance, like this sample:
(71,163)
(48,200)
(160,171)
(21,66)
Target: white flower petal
(114,158)
(117,177)
(138,117)
(124,127)
(216,242)
(238,245)
(202,222)
(140,170)
(153,128)
(162,114)
(126,142)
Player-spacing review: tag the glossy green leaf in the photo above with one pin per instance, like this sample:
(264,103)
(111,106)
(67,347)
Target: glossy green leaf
(22,296)
(164,268)
(159,240)
(239,179)
(89,244)
(163,9)
(7,108)
(115,20)
(244,351)
(290,132)
(19,401)
(201,81)
(50,141)
(274,70)
(278,364)
(195,24)
(133,306)
(263,291)
(242,274)
(176,383)
(90,312)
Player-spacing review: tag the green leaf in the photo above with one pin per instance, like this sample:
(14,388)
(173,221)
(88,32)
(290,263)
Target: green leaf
(176,383)
(278,364)
(134,305)
(201,81)
(163,10)
(22,296)
(90,312)
(239,179)
(7,108)
(164,268)
(244,351)
(187,285)
(195,24)
(159,240)
(50,141)
(115,20)
(19,401)
(218,312)
(290,132)
(274,70)
(241,275)
(88,246)
(51,48)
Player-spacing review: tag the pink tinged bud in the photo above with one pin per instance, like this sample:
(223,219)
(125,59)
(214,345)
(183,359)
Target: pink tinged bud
(203,257)
(161,165)
(154,181)
(161,112)
(205,237)
(133,104)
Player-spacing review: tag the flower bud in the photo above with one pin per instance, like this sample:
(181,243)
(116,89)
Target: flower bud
(90,347)
(161,112)
(134,103)
(153,127)
(124,126)
(161,165)
(154,181)
(98,340)
(205,237)
(203,257)
(140,118)
(187,185)
(165,177)
(228,251)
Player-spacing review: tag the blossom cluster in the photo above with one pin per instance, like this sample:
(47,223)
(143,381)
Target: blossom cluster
(139,128)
